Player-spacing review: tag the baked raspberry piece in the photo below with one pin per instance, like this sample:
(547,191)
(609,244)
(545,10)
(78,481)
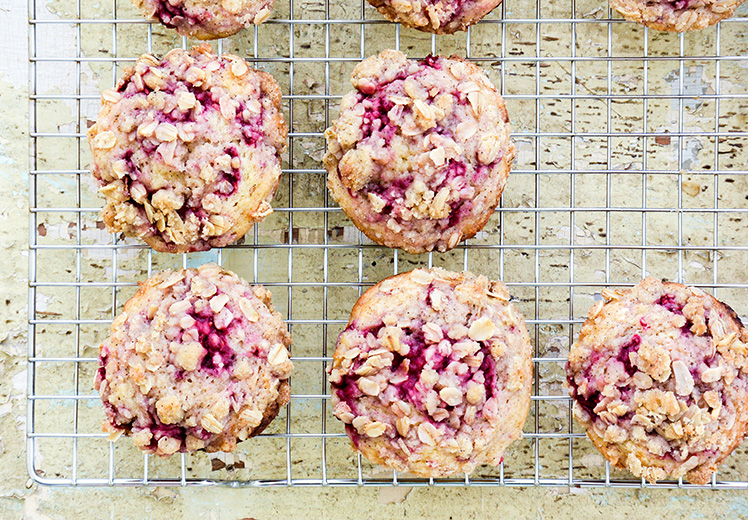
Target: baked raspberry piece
(198,360)
(432,374)
(186,150)
(435,16)
(659,380)
(206,19)
(420,154)
(676,15)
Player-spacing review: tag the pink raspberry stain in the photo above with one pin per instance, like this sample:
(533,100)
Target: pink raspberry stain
(681,4)
(376,122)
(624,355)
(174,16)
(669,302)
(219,357)
(432,61)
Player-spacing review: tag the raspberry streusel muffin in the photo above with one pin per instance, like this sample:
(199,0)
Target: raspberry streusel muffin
(197,360)
(206,19)
(432,374)
(439,17)
(676,15)
(659,380)
(186,150)
(420,154)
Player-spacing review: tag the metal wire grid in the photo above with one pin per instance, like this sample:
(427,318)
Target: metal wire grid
(62,458)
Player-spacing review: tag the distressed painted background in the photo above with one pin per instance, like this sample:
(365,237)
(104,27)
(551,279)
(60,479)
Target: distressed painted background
(694,188)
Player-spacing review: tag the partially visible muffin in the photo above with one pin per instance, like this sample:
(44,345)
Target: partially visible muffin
(186,150)
(432,375)
(676,15)
(439,17)
(659,381)
(421,152)
(198,360)
(206,19)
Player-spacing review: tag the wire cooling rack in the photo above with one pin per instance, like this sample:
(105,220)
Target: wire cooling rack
(631,161)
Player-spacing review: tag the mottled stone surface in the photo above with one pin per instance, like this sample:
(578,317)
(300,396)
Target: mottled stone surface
(591,230)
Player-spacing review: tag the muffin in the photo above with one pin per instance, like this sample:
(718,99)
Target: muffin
(658,379)
(186,150)
(440,17)
(206,19)
(432,375)
(198,360)
(676,15)
(420,154)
